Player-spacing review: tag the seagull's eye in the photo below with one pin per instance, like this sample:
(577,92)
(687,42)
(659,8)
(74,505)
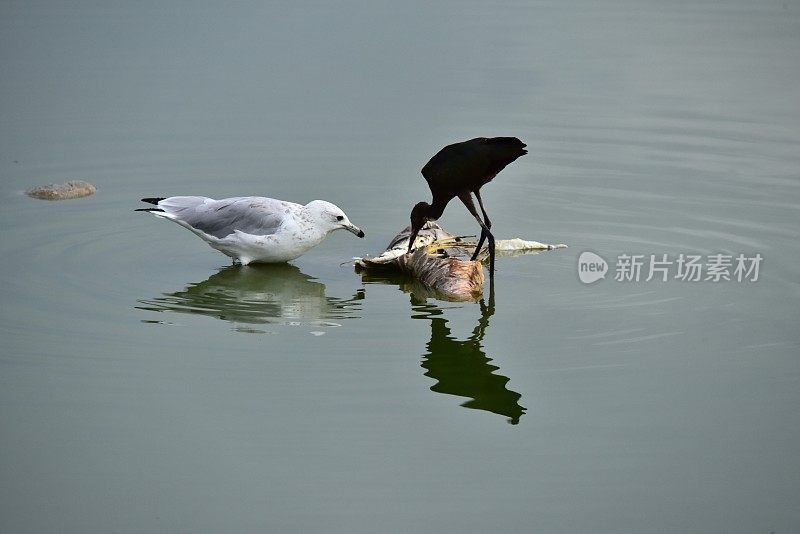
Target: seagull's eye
(340,217)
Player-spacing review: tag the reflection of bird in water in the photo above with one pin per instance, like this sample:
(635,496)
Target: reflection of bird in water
(462,368)
(258,294)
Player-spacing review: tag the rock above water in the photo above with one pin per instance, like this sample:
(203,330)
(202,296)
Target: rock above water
(71,189)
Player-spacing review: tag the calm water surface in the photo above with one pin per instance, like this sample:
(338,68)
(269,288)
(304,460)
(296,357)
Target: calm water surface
(148,386)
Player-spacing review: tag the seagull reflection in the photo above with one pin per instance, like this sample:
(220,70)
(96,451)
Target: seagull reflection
(259,294)
(460,368)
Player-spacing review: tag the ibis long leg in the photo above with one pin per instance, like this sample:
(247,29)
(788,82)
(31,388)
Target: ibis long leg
(483,210)
(466,198)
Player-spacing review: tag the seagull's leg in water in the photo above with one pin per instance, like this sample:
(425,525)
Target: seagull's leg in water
(466,198)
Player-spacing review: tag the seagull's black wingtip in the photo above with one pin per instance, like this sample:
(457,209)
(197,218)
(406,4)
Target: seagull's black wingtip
(149,209)
(153,200)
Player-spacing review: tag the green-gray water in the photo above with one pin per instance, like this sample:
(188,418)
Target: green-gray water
(148,386)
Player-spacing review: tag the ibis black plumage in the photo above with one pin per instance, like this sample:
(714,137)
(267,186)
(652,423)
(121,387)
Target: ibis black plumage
(460,170)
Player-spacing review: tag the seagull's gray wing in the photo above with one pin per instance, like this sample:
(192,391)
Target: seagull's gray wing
(219,218)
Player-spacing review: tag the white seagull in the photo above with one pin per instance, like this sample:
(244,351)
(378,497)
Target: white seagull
(255,229)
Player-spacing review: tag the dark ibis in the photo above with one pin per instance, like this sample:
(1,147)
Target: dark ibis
(459,170)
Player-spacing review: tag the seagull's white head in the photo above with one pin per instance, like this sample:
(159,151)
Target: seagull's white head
(331,217)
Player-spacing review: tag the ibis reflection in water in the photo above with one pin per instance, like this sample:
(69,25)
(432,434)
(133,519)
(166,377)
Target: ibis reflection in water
(462,368)
(459,367)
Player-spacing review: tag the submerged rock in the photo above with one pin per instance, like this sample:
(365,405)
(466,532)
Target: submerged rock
(71,189)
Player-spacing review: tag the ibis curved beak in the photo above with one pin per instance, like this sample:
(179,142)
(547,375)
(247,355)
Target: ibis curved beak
(354,229)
